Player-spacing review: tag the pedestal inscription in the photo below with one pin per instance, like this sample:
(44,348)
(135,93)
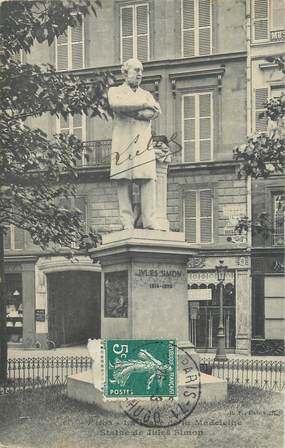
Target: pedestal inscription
(159,290)
(157,278)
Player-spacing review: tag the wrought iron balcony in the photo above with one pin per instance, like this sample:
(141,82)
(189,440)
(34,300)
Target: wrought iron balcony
(97,153)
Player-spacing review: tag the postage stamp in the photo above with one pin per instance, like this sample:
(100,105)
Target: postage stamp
(140,368)
(156,382)
(159,412)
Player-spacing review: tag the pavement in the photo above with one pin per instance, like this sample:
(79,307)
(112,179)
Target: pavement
(81,350)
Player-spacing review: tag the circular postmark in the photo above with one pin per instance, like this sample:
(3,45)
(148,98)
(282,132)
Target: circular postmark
(158,411)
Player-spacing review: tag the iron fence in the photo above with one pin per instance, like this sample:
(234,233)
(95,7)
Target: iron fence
(264,374)
(32,373)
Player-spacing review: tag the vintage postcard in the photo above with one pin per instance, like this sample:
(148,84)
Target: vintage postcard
(142,204)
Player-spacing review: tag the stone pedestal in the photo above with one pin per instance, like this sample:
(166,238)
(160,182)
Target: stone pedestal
(80,386)
(144,296)
(144,285)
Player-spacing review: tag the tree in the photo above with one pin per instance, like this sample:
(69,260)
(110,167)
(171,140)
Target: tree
(35,171)
(263,155)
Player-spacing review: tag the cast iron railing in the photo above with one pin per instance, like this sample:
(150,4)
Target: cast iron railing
(32,373)
(263,374)
(98,152)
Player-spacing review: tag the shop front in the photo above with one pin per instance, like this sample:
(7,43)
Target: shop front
(204,302)
(20,296)
(268,311)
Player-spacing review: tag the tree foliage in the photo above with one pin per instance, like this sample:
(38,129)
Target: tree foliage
(264,152)
(263,155)
(36,171)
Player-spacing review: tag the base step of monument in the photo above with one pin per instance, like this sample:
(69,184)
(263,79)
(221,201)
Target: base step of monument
(80,387)
(143,235)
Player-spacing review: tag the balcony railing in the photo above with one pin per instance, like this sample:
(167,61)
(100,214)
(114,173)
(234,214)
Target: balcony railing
(97,153)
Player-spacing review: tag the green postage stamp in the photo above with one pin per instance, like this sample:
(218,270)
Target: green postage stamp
(139,368)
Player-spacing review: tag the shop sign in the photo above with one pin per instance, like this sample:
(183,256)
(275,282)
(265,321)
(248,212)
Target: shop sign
(40,315)
(276,36)
(199,294)
(207,277)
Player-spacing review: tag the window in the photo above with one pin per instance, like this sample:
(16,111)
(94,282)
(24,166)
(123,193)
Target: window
(196,26)
(198,216)
(197,127)
(70,48)
(278,219)
(134,32)
(268,20)
(73,125)
(14,238)
(262,94)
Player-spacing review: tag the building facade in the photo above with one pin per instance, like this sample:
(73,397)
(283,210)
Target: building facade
(197,59)
(267,81)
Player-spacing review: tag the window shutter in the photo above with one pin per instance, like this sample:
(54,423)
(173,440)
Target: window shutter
(127,32)
(142,24)
(77,126)
(205,127)
(19,237)
(261,20)
(278,220)
(190,216)
(188,28)
(278,15)
(7,238)
(204,27)
(189,131)
(77,46)
(261,96)
(205,216)
(70,48)
(62,52)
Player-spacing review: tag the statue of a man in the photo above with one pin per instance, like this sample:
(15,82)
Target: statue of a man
(133,155)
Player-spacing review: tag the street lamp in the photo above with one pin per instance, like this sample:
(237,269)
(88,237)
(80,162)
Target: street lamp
(221,274)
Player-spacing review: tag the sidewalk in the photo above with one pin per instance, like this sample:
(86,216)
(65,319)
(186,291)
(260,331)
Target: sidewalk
(81,350)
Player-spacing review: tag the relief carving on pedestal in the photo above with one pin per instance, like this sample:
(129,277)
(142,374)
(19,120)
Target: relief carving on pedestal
(116,294)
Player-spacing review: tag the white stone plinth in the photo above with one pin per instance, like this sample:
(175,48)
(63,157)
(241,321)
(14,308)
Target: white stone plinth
(80,387)
(143,235)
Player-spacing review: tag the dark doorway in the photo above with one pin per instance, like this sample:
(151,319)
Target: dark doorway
(73,307)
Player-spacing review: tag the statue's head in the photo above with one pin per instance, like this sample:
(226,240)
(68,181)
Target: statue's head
(132,70)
